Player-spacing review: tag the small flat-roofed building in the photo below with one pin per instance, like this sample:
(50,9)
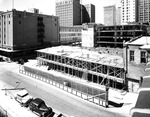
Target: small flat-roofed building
(136,60)
(142,107)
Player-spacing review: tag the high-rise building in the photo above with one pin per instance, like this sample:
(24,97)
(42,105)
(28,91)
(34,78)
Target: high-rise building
(118,16)
(90,8)
(144,11)
(110,15)
(129,11)
(69,12)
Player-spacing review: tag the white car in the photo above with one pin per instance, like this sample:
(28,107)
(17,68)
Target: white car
(23,97)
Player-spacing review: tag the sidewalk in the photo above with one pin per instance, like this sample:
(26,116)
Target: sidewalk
(11,106)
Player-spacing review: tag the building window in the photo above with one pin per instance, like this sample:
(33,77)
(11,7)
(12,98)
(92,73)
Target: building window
(4,39)
(19,15)
(19,22)
(131,55)
(143,57)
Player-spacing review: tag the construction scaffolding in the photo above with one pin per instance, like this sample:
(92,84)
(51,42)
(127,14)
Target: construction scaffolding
(90,66)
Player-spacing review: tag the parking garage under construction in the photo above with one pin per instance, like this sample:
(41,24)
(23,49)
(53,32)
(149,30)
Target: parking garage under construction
(85,64)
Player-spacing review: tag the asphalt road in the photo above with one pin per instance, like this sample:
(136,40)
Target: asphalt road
(58,99)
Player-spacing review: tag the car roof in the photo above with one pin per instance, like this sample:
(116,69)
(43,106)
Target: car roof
(22,92)
(38,101)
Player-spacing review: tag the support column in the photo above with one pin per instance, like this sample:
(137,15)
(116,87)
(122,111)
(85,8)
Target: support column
(106,96)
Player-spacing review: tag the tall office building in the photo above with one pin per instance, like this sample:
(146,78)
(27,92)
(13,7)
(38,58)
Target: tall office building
(118,16)
(69,12)
(110,15)
(129,11)
(90,9)
(144,11)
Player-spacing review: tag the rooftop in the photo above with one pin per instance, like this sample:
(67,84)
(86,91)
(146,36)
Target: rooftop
(138,114)
(143,100)
(85,55)
(146,82)
(144,40)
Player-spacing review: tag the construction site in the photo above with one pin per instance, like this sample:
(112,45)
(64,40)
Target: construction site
(93,76)
(85,64)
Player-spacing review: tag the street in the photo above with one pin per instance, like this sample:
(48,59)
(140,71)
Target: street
(58,99)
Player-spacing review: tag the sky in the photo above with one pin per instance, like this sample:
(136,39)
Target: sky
(48,6)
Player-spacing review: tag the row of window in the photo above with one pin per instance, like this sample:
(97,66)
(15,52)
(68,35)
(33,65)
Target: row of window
(64,2)
(9,15)
(70,30)
(72,34)
(5,22)
(9,23)
(143,56)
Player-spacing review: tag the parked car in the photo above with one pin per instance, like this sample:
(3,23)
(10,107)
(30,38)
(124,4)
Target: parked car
(61,115)
(23,97)
(1,58)
(39,107)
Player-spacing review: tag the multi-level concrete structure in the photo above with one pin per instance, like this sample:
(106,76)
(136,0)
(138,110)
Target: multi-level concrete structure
(69,12)
(144,11)
(112,36)
(21,30)
(90,8)
(129,11)
(110,15)
(84,64)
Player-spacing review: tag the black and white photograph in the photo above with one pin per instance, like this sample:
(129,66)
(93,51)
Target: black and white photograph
(74,58)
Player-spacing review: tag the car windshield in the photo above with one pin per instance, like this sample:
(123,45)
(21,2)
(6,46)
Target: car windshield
(23,95)
(43,107)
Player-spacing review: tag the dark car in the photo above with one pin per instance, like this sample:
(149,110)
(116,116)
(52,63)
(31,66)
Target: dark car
(39,107)
(1,59)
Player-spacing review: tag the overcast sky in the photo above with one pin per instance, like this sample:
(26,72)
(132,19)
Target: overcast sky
(48,6)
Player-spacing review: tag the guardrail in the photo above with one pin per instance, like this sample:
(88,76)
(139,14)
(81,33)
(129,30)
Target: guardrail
(90,94)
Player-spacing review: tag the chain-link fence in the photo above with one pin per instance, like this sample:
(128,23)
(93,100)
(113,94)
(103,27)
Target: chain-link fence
(79,89)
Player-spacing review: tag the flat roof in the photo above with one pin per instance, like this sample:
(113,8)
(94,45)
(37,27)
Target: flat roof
(146,46)
(143,100)
(138,114)
(144,40)
(146,82)
(80,53)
